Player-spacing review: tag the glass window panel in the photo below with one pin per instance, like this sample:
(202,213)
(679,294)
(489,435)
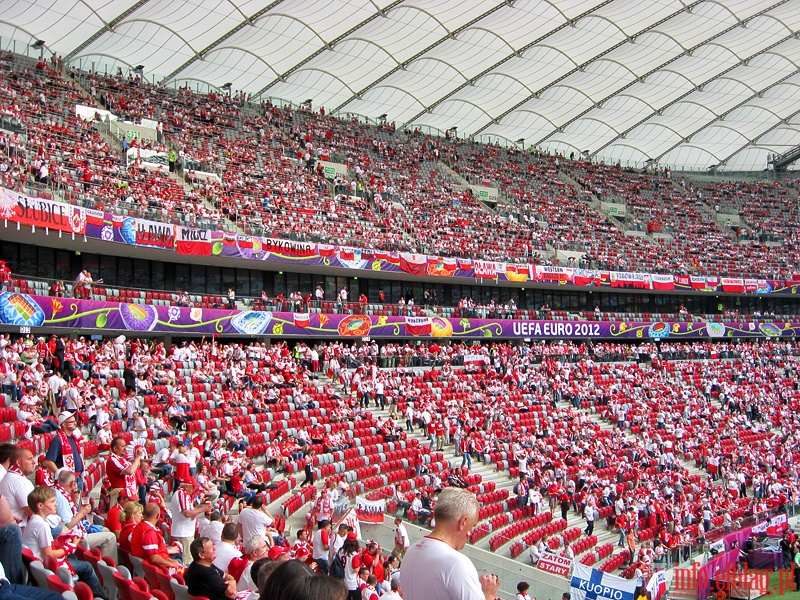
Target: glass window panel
(44,265)
(157,276)
(184,281)
(141,274)
(62,265)
(27,260)
(108,269)
(124,276)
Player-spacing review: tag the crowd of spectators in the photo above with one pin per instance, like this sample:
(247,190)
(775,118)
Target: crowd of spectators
(729,408)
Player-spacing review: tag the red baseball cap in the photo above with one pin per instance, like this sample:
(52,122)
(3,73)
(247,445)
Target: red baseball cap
(277,551)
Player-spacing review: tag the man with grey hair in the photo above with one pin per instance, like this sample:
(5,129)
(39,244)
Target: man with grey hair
(396,593)
(434,567)
(254,549)
(72,510)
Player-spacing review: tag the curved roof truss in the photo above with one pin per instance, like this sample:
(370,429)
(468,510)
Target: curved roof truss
(427,57)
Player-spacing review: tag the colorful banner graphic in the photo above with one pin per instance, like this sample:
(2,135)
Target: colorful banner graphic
(24,310)
(185,240)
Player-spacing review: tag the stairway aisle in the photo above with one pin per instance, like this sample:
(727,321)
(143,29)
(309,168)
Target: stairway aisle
(501,479)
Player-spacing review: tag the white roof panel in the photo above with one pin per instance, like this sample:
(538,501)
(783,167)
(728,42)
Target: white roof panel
(626,80)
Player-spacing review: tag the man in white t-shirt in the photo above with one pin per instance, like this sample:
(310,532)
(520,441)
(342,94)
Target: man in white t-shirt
(226,548)
(16,486)
(255,520)
(401,539)
(184,516)
(211,526)
(434,567)
(337,540)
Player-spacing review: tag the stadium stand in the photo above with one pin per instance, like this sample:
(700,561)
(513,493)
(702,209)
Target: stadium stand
(676,443)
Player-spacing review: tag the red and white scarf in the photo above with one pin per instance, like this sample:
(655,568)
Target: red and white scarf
(43,477)
(72,506)
(131,488)
(65,542)
(15,469)
(67,455)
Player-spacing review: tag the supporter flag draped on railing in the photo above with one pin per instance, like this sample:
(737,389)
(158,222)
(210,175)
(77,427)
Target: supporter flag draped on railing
(416,264)
(350,518)
(370,511)
(418,326)
(341,508)
(594,584)
(657,586)
(193,241)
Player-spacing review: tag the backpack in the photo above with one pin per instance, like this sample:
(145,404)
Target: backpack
(337,567)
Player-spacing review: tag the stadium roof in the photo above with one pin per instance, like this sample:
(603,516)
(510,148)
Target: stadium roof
(685,84)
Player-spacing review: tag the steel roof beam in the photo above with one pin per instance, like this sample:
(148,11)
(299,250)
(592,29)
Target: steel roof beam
(108,27)
(213,45)
(329,45)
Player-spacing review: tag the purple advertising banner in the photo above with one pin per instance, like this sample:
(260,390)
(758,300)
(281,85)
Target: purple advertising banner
(134,231)
(26,311)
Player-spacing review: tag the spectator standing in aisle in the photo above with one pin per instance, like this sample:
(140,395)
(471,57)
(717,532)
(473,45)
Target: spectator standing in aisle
(590,513)
(5,276)
(321,546)
(401,540)
(319,296)
(184,515)
(64,450)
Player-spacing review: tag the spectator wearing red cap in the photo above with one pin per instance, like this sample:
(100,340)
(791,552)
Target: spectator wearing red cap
(301,549)
(185,513)
(279,553)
